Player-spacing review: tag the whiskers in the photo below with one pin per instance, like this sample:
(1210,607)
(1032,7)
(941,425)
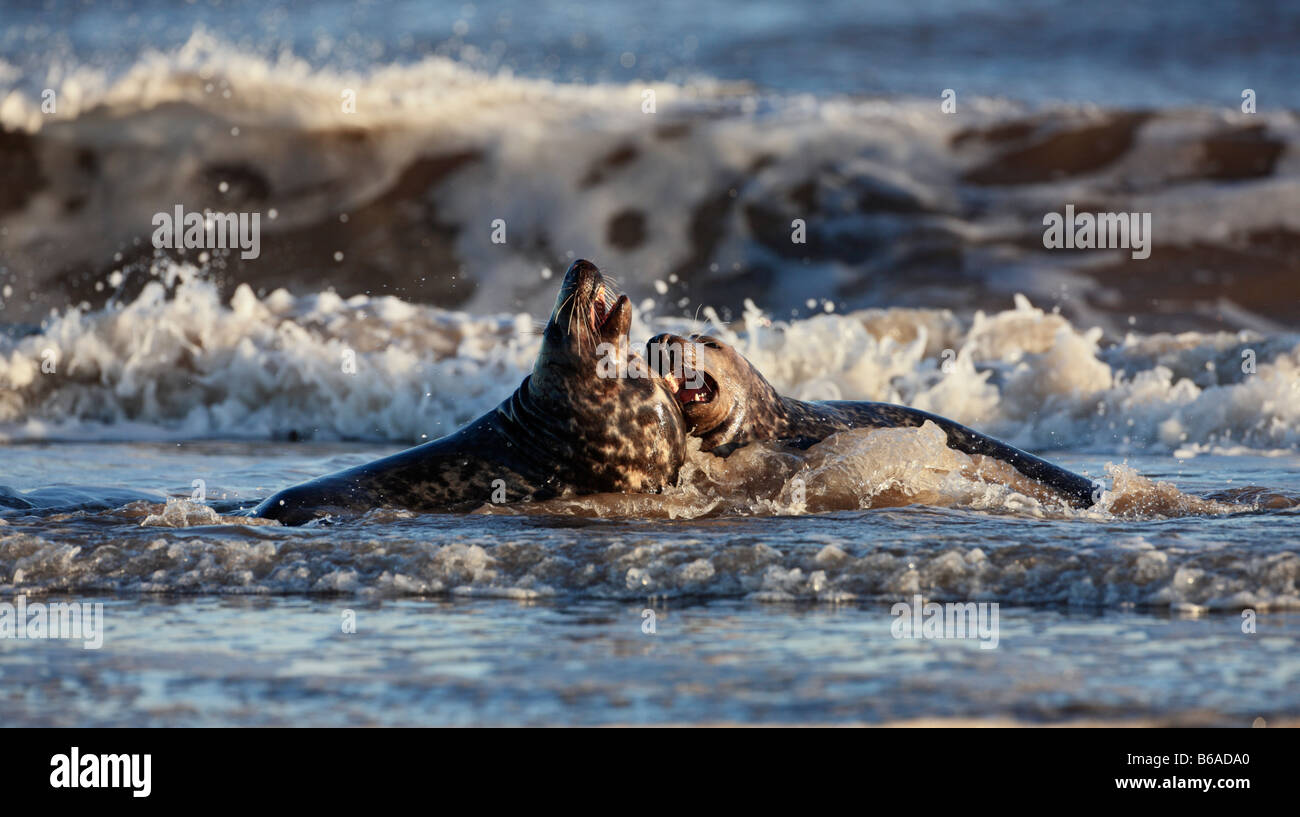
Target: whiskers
(612,282)
(709,326)
(572,299)
(588,308)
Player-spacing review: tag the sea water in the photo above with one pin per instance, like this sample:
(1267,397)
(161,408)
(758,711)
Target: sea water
(146,398)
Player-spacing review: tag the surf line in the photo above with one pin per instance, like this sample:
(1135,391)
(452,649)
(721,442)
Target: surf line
(1099,231)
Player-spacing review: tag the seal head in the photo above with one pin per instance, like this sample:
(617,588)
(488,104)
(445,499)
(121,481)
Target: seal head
(727,403)
(724,399)
(590,418)
(614,420)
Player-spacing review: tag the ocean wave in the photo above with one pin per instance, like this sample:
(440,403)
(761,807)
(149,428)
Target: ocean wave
(186,547)
(865,515)
(178,361)
(692,203)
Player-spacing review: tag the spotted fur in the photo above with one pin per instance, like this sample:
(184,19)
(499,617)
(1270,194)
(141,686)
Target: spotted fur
(566,430)
(743,408)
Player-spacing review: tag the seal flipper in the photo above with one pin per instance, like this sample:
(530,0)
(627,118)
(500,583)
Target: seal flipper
(1077,489)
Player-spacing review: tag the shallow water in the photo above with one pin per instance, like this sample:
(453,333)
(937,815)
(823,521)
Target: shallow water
(148,396)
(269,661)
(503,619)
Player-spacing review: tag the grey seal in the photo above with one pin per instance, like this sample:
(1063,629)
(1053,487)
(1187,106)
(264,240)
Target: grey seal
(728,403)
(571,427)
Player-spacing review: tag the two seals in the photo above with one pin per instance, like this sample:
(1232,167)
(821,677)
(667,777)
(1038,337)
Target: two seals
(727,403)
(578,425)
(567,429)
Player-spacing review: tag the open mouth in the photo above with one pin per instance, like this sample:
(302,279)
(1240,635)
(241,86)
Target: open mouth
(700,388)
(601,307)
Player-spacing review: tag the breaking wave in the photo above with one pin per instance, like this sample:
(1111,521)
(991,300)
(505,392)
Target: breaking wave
(178,361)
(691,202)
(187,547)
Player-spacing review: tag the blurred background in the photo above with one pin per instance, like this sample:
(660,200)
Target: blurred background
(868,177)
(674,143)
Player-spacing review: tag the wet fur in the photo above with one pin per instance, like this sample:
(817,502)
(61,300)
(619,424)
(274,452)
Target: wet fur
(751,410)
(565,430)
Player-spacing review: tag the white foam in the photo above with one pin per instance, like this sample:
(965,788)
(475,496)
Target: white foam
(177,362)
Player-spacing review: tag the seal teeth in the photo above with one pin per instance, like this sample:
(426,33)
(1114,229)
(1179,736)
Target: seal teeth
(602,306)
(703,394)
(598,309)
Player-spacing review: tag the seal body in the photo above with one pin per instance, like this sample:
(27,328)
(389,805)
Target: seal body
(728,403)
(576,424)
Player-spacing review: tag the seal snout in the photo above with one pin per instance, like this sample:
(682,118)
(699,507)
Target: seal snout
(677,361)
(589,307)
(583,277)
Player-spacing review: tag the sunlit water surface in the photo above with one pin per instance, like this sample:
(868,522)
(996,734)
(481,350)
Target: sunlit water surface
(525,619)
